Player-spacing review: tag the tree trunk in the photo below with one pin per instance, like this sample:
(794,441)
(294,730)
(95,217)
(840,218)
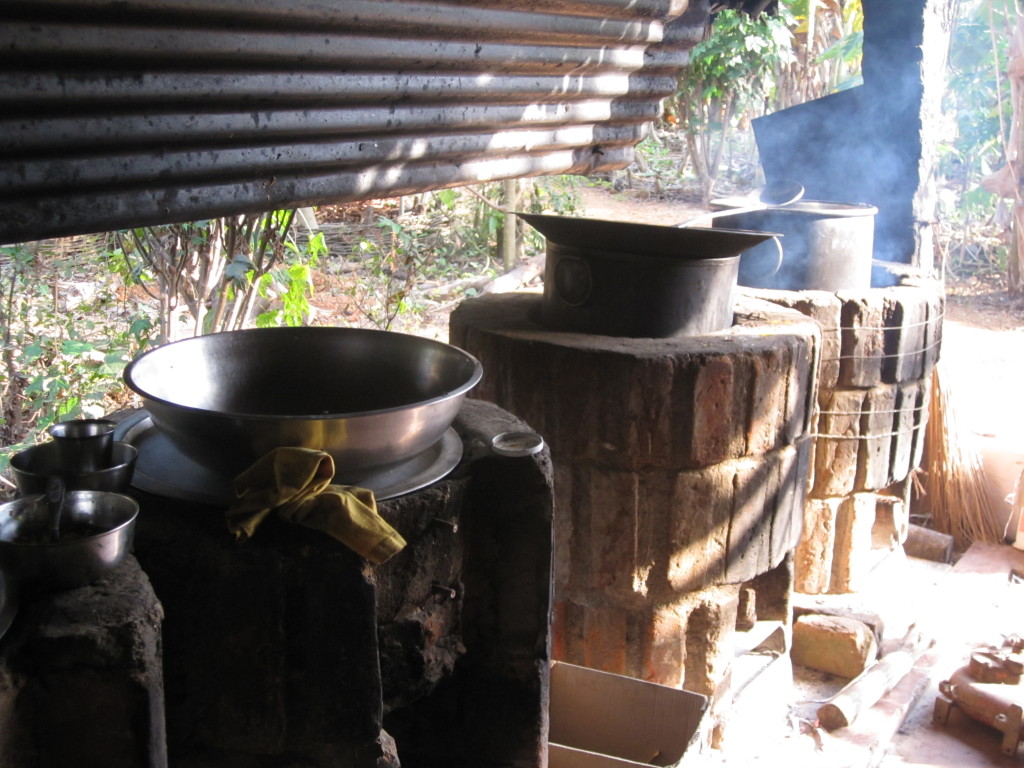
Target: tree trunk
(1015,259)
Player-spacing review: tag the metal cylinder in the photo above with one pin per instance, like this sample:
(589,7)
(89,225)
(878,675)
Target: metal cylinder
(825,246)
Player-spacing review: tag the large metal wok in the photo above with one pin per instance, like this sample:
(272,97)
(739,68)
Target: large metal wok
(369,398)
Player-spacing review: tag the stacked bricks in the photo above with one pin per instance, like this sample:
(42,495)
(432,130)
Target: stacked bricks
(879,347)
(681,468)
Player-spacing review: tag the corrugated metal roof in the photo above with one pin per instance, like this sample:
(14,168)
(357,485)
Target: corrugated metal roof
(118,113)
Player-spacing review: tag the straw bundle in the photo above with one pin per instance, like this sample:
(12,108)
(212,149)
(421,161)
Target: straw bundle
(1017,511)
(956,485)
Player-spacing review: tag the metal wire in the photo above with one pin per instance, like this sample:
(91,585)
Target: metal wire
(920,351)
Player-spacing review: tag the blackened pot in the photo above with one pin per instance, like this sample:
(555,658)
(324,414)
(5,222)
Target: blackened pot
(638,280)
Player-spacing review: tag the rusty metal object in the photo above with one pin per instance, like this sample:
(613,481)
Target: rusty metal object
(988,689)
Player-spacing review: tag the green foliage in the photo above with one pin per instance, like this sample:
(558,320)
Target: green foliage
(390,258)
(973,99)
(413,265)
(556,195)
(978,115)
(68,333)
(828,51)
(207,275)
(294,282)
(732,73)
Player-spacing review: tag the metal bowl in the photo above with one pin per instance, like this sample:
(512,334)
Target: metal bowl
(96,533)
(369,398)
(34,466)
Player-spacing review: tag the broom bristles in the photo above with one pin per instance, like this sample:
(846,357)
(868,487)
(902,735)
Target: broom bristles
(956,483)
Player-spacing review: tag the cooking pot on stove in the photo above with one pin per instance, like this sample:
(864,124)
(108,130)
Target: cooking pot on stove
(825,246)
(638,280)
(369,398)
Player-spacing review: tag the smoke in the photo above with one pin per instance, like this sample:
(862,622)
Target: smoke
(844,148)
(864,145)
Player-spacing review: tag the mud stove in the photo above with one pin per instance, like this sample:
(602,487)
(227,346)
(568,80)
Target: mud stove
(291,649)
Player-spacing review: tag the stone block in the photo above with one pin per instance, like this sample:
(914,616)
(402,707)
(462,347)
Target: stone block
(750,527)
(699,532)
(905,314)
(892,522)
(863,339)
(905,425)
(774,590)
(746,611)
(873,620)
(851,557)
(876,438)
(921,414)
(836,645)
(605,638)
(838,443)
(825,308)
(793,468)
(81,678)
(664,647)
(716,417)
(571,497)
(933,334)
(710,627)
(768,400)
(616,535)
(813,558)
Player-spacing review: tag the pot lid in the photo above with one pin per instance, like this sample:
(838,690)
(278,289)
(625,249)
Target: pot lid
(649,239)
(823,208)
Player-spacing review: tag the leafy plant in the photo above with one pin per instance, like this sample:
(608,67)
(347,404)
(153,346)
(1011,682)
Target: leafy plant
(976,129)
(207,275)
(68,332)
(828,39)
(391,260)
(732,74)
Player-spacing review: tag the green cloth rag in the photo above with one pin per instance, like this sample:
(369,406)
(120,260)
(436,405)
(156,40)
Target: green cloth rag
(296,483)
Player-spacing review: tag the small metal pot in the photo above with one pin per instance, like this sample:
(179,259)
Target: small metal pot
(34,466)
(97,529)
(83,445)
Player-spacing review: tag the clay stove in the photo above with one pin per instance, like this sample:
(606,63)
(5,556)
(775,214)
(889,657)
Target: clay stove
(291,649)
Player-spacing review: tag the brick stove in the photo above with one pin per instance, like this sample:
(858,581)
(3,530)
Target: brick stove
(688,469)
(879,347)
(681,468)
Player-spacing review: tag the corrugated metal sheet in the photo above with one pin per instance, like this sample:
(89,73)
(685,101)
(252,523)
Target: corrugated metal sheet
(118,113)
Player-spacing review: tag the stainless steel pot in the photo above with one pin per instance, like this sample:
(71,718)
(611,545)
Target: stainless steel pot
(638,280)
(97,530)
(369,398)
(34,466)
(824,246)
